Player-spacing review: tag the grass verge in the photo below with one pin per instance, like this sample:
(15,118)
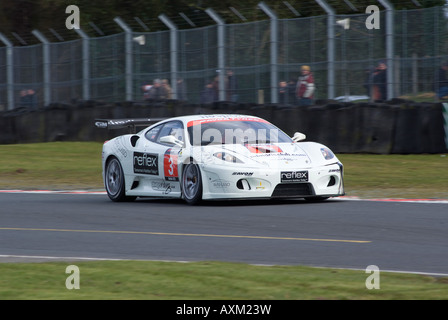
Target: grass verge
(53,166)
(401,176)
(121,280)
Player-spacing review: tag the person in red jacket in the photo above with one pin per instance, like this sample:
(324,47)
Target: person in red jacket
(305,87)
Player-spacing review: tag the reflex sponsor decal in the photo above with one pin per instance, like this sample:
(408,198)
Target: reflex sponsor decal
(294,176)
(146,163)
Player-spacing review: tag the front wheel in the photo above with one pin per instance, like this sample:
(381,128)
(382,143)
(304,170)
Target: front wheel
(192,184)
(114,181)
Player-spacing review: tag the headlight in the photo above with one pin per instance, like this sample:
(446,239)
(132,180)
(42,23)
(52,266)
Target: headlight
(327,153)
(227,157)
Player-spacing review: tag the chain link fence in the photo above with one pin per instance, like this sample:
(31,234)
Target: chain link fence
(261,54)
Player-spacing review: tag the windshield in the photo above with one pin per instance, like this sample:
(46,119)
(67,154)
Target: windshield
(254,131)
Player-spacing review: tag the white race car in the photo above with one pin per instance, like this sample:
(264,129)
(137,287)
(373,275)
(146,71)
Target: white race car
(206,157)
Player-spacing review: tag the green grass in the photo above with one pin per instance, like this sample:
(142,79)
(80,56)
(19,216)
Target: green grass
(58,165)
(208,280)
(78,166)
(402,176)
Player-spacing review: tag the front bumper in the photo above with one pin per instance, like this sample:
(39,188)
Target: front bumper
(228,182)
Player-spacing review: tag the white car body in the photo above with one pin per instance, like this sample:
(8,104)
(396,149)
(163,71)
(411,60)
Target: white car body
(154,161)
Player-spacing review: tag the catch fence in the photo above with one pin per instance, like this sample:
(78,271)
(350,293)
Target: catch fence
(261,54)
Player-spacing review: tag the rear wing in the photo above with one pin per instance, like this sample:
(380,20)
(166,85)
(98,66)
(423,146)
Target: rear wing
(131,124)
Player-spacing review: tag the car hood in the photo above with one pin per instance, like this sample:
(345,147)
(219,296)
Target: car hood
(270,154)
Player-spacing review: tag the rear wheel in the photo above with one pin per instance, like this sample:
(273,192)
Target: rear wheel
(192,184)
(114,181)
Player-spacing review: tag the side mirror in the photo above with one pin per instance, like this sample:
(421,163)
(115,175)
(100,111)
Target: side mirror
(298,137)
(171,140)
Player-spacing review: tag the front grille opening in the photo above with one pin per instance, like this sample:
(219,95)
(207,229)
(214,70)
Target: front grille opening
(293,190)
(332,181)
(243,184)
(135,184)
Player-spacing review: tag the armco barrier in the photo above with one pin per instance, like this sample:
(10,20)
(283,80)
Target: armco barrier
(445,121)
(400,127)
(419,129)
(374,128)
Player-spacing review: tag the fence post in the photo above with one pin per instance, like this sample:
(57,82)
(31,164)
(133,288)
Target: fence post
(173,50)
(46,65)
(389,47)
(445,121)
(330,46)
(274,50)
(414,73)
(128,57)
(9,71)
(397,77)
(221,52)
(85,63)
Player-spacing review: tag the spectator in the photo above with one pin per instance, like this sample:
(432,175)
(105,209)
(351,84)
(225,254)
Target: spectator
(181,90)
(305,87)
(283,92)
(23,98)
(208,94)
(167,89)
(215,87)
(441,83)
(33,98)
(157,92)
(368,81)
(232,87)
(28,98)
(379,82)
(146,88)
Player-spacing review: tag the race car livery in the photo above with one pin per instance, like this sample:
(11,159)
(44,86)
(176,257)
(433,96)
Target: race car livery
(206,157)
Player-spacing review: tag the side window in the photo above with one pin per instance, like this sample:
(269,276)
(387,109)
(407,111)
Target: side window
(174,128)
(151,135)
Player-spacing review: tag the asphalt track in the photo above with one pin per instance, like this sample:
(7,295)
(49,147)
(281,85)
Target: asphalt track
(392,235)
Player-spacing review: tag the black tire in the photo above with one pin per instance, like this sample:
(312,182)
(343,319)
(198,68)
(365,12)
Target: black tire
(191,184)
(114,181)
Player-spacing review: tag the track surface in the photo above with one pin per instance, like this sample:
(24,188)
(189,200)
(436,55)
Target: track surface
(398,236)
